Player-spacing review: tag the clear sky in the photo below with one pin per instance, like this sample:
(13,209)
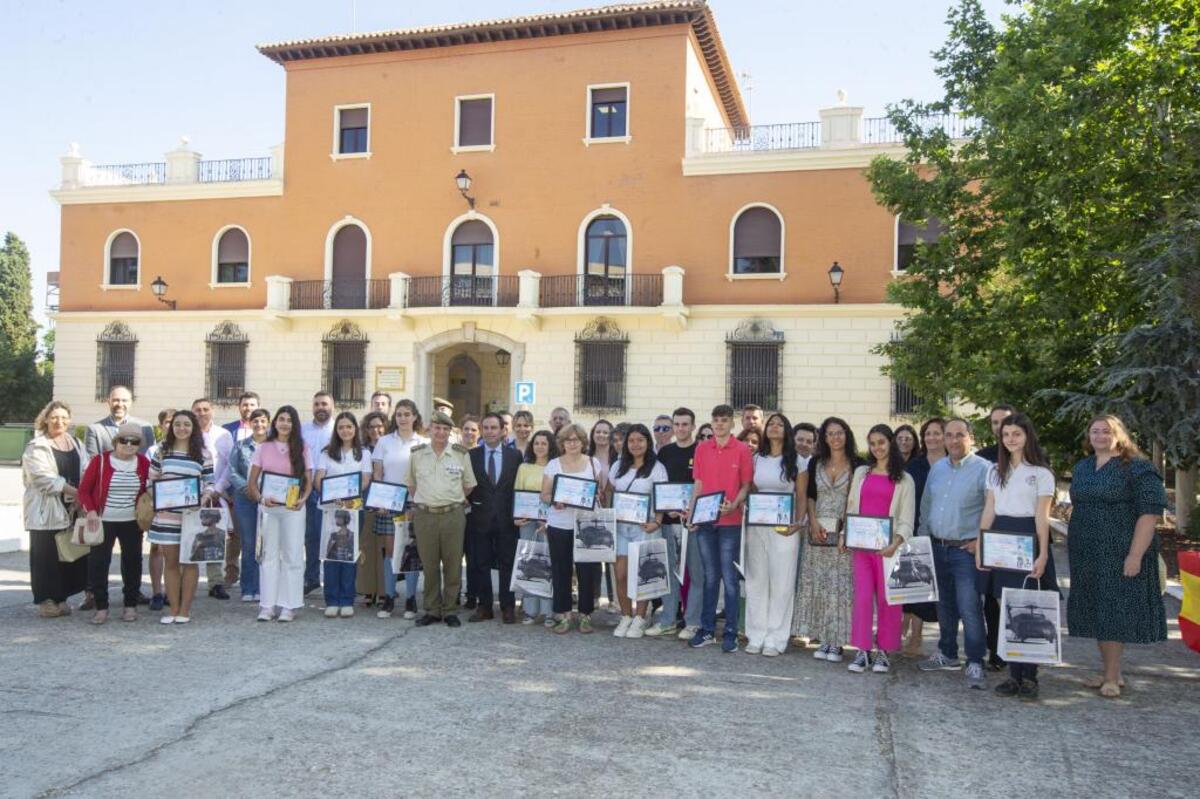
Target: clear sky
(126,78)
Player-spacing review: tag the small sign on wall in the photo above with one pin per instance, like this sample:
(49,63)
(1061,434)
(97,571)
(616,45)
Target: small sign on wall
(524,392)
(389,378)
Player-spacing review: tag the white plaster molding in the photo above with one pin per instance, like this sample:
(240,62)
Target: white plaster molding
(160,192)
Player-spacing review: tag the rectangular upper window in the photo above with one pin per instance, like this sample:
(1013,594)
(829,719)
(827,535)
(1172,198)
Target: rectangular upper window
(475,121)
(608,112)
(352,128)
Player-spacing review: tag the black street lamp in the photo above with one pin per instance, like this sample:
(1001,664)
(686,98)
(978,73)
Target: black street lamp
(463,180)
(835,279)
(159,287)
(503,357)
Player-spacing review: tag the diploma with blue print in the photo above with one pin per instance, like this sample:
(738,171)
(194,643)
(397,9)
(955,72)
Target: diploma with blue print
(770,509)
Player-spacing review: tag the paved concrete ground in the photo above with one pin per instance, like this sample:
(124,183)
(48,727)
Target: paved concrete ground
(363,707)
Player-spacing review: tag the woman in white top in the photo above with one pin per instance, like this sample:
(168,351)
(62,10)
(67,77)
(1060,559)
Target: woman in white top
(636,471)
(344,455)
(1020,490)
(560,530)
(390,464)
(773,552)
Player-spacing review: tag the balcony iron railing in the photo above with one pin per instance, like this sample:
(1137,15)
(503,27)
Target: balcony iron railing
(569,291)
(126,174)
(233,170)
(311,295)
(880,130)
(756,138)
(436,291)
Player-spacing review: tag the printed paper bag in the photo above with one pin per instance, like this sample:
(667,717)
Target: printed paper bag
(1030,626)
(910,573)
(648,576)
(595,536)
(203,535)
(531,569)
(405,557)
(339,535)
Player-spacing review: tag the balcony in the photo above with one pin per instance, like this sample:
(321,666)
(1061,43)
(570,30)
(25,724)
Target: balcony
(461,290)
(578,291)
(315,295)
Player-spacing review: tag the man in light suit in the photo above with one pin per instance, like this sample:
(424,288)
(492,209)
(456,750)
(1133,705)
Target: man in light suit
(491,534)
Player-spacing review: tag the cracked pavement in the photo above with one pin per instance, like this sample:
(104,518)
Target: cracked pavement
(369,707)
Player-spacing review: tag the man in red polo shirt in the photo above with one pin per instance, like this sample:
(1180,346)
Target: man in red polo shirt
(721,464)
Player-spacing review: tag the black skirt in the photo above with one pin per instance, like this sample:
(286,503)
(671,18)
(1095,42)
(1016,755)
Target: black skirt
(993,582)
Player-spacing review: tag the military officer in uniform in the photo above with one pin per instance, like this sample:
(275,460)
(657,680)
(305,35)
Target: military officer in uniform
(439,479)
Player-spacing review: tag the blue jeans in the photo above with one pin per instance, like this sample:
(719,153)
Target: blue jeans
(339,583)
(246,514)
(695,571)
(958,598)
(312,541)
(718,550)
(670,602)
(389,581)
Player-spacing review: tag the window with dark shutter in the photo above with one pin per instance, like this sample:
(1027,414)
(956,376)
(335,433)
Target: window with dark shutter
(475,122)
(600,367)
(353,126)
(908,235)
(344,366)
(226,369)
(123,260)
(609,112)
(116,349)
(752,365)
(233,257)
(757,242)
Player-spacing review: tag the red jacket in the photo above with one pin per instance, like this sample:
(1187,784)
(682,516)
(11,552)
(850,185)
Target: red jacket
(93,491)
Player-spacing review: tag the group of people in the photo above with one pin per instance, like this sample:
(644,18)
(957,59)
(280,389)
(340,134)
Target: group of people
(801,581)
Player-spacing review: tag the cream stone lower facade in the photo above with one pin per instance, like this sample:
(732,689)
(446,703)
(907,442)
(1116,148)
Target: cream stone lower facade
(673,358)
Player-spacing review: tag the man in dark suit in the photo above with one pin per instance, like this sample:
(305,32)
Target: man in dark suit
(491,535)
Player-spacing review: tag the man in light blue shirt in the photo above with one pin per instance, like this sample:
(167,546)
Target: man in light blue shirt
(950,511)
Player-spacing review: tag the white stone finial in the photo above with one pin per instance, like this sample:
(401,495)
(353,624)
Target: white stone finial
(841,96)
(73,149)
(184,141)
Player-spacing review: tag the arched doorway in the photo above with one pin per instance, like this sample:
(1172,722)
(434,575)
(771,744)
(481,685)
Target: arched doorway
(500,359)
(464,385)
(348,272)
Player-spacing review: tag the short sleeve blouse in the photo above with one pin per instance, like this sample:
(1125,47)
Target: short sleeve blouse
(393,452)
(347,464)
(1018,497)
(565,519)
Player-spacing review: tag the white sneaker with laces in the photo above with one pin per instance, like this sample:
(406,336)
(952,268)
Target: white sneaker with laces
(248,597)
(347,611)
(286,615)
(753,649)
(879,662)
(822,652)
(331,612)
(860,663)
(637,628)
(623,627)
(834,655)
(265,614)
(771,652)
(657,630)
(688,633)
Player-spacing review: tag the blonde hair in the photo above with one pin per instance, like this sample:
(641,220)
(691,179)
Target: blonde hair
(1122,441)
(42,422)
(575,429)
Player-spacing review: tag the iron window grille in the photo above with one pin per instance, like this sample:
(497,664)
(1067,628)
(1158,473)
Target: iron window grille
(600,350)
(344,364)
(752,364)
(116,349)
(226,363)
(905,400)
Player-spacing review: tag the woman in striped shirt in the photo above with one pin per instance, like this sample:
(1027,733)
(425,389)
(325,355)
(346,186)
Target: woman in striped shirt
(181,454)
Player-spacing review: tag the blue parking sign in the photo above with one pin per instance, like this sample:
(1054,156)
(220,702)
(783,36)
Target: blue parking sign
(524,392)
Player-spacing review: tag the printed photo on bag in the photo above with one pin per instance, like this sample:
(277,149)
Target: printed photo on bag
(405,557)
(910,573)
(648,577)
(1031,620)
(339,535)
(203,535)
(531,569)
(595,536)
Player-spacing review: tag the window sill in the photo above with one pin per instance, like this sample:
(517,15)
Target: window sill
(588,142)
(348,156)
(757,276)
(229,285)
(120,286)
(899,273)
(473,148)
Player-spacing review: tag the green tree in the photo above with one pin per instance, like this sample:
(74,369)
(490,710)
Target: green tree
(23,387)
(1085,143)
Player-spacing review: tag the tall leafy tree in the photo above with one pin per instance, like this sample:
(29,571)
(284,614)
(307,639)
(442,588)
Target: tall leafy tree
(1085,144)
(23,387)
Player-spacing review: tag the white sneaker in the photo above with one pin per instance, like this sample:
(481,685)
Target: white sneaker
(347,611)
(879,662)
(182,619)
(659,630)
(637,629)
(265,614)
(834,655)
(821,652)
(771,652)
(688,633)
(753,649)
(525,620)
(286,614)
(331,612)
(166,620)
(861,662)
(248,597)
(623,627)
(410,614)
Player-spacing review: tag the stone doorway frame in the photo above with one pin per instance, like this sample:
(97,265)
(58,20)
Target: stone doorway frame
(468,333)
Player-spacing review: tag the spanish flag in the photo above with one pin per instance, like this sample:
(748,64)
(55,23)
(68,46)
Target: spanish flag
(1189,614)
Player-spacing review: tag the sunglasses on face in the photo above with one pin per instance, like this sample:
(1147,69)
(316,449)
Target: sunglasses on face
(704,436)
(662,428)
(132,442)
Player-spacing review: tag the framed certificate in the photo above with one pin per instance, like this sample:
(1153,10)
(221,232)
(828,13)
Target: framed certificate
(708,508)
(871,533)
(575,492)
(672,497)
(342,486)
(389,497)
(631,507)
(528,505)
(177,493)
(770,509)
(283,489)
(1007,551)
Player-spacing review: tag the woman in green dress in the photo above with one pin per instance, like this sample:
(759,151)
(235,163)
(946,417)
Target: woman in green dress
(1117,500)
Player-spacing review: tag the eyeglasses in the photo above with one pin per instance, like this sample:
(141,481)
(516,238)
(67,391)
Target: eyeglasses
(570,441)
(704,436)
(132,442)
(662,428)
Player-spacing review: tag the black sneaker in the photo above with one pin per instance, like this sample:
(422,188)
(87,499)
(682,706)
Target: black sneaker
(1029,690)
(218,592)
(452,621)
(385,612)
(996,663)
(410,608)
(470,603)
(1009,687)
(157,601)
(427,620)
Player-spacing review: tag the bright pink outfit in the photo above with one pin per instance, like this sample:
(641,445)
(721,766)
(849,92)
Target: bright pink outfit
(870,593)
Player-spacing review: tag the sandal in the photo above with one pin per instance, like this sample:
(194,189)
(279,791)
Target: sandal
(1098,681)
(129,614)
(1110,690)
(100,617)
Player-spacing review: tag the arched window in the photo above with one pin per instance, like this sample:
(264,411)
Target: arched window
(123,256)
(233,257)
(348,271)
(908,235)
(757,242)
(472,258)
(607,250)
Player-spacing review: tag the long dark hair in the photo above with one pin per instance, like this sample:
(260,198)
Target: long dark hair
(366,422)
(895,459)
(939,421)
(551,446)
(787,465)
(195,443)
(418,422)
(916,441)
(648,460)
(294,441)
(591,447)
(824,453)
(1034,455)
(334,448)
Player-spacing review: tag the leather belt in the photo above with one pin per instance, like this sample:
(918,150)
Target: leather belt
(437,508)
(955,543)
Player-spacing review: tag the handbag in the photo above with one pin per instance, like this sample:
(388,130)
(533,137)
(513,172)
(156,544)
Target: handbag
(84,535)
(68,550)
(144,510)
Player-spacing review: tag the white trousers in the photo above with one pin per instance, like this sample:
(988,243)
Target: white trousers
(281,569)
(771,561)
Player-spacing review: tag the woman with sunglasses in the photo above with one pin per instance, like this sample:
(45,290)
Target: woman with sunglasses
(245,509)
(704,432)
(181,454)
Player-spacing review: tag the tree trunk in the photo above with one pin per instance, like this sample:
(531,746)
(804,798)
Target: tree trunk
(1156,458)
(1185,496)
